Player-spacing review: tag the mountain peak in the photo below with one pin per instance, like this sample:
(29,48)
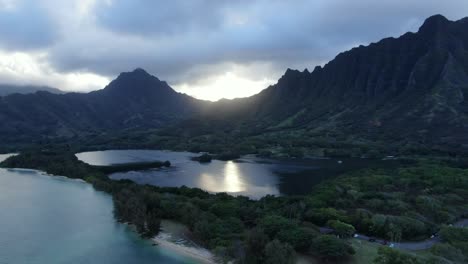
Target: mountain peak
(140,71)
(290,71)
(138,82)
(137,74)
(434,23)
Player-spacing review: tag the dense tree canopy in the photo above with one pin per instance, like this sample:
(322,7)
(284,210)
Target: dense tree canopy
(391,256)
(406,203)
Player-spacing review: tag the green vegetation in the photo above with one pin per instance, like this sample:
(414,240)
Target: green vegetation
(341,229)
(279,253)
(407,203)
(455,246)
(229,155)
(215,136)
(61,162)
(449,252)
(366,251)
(226,141)
(390,256)
(330,247)
(132,166)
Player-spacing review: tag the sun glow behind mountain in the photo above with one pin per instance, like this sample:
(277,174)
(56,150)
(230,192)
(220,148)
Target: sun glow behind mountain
(229,86)
(226,49)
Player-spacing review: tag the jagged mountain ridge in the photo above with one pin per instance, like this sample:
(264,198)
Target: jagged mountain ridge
(411,87)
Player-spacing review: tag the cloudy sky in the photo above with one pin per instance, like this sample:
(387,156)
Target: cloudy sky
(206,48)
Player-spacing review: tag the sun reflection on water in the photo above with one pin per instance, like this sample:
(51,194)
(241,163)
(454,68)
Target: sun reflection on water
(230,181)
(232,178)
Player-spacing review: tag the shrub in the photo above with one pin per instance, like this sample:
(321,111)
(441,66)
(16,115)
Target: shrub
(329,247)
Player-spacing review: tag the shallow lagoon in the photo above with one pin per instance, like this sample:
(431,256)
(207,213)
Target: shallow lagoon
(249,175)
(50,219)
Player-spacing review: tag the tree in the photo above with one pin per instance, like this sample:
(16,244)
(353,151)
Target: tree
(204,229)
(298,237)
(387,255)
(204,158)
(454,234)
(379,222)
(449,252)
(322,215)
(255,245)
(153,224)
(272,224)
(456,237)
(343,230)
(394,233)
(331,247)
(279,253)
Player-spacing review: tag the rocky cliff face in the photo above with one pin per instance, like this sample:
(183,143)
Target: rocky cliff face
(411,86)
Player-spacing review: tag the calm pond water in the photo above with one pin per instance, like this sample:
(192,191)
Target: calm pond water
(250,176)
(50,220)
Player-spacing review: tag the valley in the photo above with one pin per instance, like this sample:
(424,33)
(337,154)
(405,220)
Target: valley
(361,160)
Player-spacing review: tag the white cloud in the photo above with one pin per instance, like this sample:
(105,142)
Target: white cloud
(7,5)
(32,68)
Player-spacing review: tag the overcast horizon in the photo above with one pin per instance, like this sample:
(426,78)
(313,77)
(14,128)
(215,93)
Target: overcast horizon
(207,49)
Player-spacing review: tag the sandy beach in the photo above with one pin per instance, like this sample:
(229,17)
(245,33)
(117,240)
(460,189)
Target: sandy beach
(172,237)
(198,254)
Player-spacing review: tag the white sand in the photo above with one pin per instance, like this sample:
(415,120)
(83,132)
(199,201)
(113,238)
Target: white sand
(197,253)
(173,236)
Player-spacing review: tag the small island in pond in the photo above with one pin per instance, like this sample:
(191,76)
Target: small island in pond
(204,158)
(131,166)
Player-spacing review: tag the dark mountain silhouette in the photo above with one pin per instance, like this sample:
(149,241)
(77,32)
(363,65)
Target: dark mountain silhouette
(135,100)
(410,88)
(6,89)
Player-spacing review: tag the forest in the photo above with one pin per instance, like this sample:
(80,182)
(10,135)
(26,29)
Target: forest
(411,202)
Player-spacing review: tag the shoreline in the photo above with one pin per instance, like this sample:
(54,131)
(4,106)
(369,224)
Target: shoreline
(191,252)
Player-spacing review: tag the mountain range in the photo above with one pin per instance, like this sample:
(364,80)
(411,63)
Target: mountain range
(7,89)
(133,100)
(406,89)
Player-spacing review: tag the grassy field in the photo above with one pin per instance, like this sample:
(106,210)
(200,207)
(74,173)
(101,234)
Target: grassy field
(365,253)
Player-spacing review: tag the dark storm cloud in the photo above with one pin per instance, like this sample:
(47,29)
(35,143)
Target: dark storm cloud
(25,25)
(172,38)
(184,41)
(162,17)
